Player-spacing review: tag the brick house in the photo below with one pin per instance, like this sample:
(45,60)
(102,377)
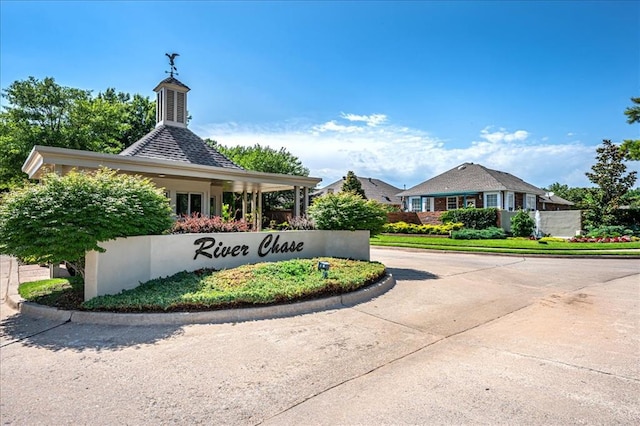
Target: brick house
(473,185)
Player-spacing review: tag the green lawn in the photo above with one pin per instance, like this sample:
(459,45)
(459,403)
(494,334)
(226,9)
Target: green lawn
(510,245)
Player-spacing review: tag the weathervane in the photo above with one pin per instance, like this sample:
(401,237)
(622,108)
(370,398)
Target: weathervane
(172,58)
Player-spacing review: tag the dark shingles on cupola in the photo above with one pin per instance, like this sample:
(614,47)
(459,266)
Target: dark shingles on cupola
(174,81)
(178,144)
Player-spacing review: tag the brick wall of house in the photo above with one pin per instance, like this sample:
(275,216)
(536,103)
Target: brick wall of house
(430,218)
(440,204)
(408,217)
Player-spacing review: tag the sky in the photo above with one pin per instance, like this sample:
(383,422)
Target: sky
(398,91)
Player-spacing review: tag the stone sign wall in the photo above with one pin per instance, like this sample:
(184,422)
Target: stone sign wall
(128,262)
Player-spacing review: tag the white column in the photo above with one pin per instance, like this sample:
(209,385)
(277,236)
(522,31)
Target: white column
(296,201)
(253,209)
(244,205)
(305,200)
(259,212)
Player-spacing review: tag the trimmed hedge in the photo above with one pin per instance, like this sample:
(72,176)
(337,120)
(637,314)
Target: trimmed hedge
(492,233)
(411,228)
(472,218)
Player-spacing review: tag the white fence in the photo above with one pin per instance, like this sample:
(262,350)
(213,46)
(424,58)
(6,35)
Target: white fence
(128,262)
(557,223)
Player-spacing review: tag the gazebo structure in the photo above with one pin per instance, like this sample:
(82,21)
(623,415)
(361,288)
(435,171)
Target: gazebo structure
(193,174)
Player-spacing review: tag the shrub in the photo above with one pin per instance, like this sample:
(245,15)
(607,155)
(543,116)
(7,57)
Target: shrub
(479,234)
(196,224)
(347,211)
(522,225)
(471,217)
(64,217)
(609,231)
(410,228)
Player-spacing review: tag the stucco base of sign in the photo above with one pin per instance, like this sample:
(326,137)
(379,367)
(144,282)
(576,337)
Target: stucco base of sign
(128,262)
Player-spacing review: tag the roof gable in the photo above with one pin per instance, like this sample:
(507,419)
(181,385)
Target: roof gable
(178,144)
(471,178)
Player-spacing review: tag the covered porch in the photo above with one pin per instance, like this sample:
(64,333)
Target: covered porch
(191,188)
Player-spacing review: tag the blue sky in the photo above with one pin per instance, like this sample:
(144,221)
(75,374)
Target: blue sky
(400,91)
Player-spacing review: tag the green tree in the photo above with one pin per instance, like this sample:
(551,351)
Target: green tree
(62,218)
(631,147)
(613,182)
(268,160)
(352,184)
(348,211)
(42,112)
(574,194)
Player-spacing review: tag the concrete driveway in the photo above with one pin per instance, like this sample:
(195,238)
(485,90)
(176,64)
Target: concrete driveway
(461,339)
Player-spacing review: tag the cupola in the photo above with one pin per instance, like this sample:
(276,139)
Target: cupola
(171,100)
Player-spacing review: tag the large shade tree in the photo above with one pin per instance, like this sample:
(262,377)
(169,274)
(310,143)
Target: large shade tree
(42,112)
(268,160)
(631,147)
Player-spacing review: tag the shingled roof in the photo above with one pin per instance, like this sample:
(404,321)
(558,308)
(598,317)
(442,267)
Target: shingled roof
(374,189)
(174,81)
(178,144)
(470,178)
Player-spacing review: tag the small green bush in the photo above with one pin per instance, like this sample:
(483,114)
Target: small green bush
(522,224)
(479,234)
(63,217)
(609,231)
(411,228)
(347,211)
(471,217)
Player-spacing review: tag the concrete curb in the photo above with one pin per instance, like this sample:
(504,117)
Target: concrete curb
(182,318)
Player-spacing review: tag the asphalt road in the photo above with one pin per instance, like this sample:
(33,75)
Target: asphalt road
(461,339)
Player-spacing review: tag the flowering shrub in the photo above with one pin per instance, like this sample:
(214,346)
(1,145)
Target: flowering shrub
(622,239)
(301,224)
(195,224)
(411,228)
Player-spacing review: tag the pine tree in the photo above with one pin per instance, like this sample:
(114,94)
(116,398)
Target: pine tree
(352,184)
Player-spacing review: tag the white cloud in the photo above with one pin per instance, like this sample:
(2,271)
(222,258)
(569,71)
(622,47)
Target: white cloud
(372,120)
(406,156)
(502,135)
(332,126)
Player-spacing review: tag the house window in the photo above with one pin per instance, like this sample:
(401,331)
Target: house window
(188,203)
(491,200)
(510,201)
(452,203)
(416,204)
(427,204)
(530,202)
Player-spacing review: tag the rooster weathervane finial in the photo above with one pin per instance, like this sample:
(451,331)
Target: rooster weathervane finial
(172,58)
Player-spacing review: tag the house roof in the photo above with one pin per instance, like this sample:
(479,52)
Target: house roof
(177,144)
(470,178)
(374,189)
(554,199)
